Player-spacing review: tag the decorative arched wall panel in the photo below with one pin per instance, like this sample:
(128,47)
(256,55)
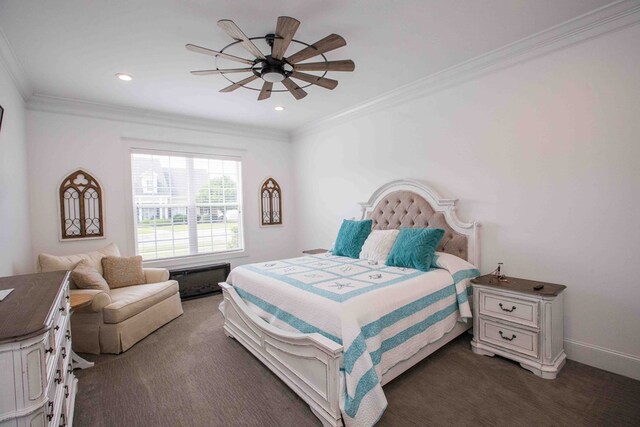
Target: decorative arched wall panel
(81,213)
(270,202)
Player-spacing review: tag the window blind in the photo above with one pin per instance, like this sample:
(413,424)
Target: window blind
(186,204)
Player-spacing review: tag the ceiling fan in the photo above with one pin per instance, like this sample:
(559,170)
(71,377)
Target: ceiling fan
(276,67)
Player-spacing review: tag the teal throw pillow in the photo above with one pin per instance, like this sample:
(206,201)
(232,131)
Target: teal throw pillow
(351,237)
(415,247)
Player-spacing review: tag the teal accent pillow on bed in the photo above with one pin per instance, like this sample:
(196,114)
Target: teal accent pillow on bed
(415,248)
(351,237)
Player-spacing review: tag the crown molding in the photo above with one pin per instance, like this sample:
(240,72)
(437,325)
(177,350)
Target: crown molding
(75,107)
(10,62)
(53,104)
(611,17)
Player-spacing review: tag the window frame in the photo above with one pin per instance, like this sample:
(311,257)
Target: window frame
(194,151)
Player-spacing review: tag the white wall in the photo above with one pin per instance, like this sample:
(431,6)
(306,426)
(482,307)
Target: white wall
(61,143)
(544,154)
(15,239)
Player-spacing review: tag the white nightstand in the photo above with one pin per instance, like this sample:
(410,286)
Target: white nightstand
(513,320)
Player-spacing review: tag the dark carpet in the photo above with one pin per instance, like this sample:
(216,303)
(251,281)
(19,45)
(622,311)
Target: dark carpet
(188,373)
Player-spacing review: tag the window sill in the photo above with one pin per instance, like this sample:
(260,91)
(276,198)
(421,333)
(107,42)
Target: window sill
(194,260)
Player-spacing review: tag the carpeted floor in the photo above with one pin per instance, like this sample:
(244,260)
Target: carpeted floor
(189,373)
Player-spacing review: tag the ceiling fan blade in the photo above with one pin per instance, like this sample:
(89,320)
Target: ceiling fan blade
(236,33)
(228,70)
(285,30)
(316,80)
(266,91)
(204,50)
(342,65)
(239,84)
(329,43)
(296,91)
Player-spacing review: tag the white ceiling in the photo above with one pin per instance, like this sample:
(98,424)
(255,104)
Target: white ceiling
(73,48)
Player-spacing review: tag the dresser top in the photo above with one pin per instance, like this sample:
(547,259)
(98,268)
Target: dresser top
(515,284)
(24,312)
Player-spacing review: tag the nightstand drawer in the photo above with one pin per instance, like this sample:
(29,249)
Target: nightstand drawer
(509,337)
(511,309)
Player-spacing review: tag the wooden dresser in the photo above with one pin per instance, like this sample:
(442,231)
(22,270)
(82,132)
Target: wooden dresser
(520,319)
(37,385)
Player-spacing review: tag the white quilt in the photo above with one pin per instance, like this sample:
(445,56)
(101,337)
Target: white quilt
(381,315)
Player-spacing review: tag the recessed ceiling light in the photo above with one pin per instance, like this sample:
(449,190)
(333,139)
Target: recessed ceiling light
(125,77)
(279,108)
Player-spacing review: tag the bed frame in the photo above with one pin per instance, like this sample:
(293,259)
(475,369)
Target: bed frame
(310,363)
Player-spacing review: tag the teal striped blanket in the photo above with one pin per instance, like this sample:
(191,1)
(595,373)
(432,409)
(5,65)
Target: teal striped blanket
(380,315)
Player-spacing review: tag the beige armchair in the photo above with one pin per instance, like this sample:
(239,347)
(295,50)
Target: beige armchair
(121,317)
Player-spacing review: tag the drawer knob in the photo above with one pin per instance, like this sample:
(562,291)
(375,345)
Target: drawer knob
(507,338)
(49,350)
(513,307)
(58,378)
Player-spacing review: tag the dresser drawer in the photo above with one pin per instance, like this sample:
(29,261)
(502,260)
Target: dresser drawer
(59,320)
(509,337)
(511,309)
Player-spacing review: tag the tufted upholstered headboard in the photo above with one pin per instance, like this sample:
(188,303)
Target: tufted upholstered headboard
(413,204)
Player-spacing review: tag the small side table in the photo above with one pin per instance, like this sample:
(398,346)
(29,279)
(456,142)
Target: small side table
(516,321)
(315,251)
(76,302)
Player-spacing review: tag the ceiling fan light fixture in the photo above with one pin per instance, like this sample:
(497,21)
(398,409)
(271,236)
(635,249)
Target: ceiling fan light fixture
(273,77)
(124,77)
(279,108)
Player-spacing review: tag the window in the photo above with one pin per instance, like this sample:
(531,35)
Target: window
(186,205)
(80,206)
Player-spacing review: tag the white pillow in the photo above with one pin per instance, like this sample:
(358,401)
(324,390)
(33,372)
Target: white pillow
(378,245)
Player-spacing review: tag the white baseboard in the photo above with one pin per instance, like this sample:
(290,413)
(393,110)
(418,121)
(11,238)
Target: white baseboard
(603,358)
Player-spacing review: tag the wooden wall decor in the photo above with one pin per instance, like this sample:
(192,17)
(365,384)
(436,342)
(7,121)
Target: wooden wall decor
(81,206)
(270,202)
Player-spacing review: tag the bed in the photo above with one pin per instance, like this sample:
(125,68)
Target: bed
(337,329)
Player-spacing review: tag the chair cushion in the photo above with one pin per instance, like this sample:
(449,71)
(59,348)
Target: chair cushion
(131,300)
(47,262)
(120,272)
(86,276)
